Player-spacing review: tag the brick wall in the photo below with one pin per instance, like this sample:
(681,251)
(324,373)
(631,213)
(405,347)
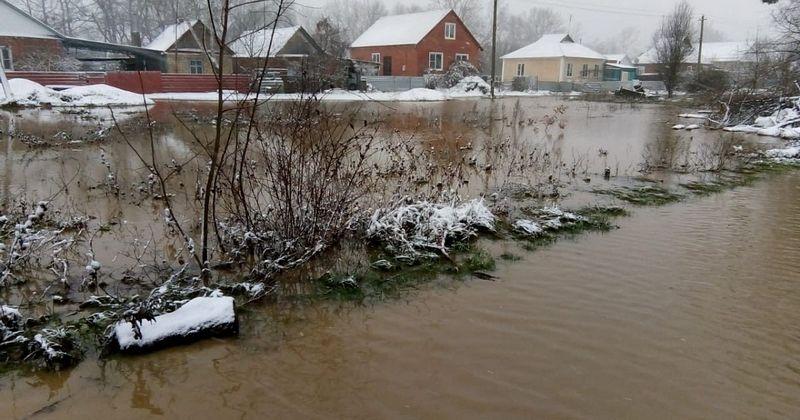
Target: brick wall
(20,47)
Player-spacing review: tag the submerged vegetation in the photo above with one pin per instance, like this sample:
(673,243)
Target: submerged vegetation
(296,190)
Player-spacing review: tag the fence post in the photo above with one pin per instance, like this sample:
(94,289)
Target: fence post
(4,82)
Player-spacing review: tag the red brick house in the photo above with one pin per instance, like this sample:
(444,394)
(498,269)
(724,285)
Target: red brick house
(417,43)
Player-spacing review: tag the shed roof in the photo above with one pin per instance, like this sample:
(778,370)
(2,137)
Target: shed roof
(555,45)
(408,29)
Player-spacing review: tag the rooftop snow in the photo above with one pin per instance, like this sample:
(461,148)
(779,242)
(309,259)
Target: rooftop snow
(555,45)
(407,29)
(713,52)
(256,44)
(18,23)
(170,35)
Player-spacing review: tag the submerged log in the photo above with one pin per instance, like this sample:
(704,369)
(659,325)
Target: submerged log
(201,317)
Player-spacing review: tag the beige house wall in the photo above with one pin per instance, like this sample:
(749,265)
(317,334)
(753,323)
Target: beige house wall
(549,69)
(180,64)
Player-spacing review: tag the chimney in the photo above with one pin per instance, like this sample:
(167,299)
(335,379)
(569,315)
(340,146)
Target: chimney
(136,39)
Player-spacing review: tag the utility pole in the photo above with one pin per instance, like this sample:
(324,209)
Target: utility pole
(494,47)
(700,48)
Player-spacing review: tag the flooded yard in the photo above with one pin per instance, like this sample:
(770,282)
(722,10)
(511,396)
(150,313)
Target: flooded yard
(689,309)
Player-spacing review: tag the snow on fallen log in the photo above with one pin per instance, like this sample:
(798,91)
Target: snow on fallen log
(201,317)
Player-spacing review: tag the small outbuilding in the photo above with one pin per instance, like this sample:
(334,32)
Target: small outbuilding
(554,58)
(416,44)
(619,68)
(288,48)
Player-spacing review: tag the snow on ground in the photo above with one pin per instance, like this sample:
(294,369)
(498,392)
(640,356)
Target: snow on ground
(29,93)
(339,95)
(228,95)
(694,116)
(194,317)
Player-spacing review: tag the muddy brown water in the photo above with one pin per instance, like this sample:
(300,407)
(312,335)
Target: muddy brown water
(690,310)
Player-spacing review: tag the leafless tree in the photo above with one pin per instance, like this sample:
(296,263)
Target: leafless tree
(673,44)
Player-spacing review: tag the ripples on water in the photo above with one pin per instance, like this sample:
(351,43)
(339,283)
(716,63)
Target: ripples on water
(688,311)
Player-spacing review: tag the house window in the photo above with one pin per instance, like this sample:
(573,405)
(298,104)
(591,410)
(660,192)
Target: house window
(520,69)
(596,71)
(5,58)
(585,70)
(436,61)
(195,67)
(569,69)
(376,57)
(449,31)
(462,57)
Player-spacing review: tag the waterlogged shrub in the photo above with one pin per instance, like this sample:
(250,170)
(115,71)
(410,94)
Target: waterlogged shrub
(413,230)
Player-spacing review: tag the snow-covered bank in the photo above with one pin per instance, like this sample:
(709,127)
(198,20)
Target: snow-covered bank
(338,95)
(782,123)
(27,93)
(791,153)
(199,318)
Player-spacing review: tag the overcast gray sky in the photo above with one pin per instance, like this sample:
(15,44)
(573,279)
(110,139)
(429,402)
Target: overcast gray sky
(739,20)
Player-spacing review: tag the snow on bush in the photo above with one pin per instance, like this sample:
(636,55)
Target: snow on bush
(780,124)
(55,347)
(409,230)
(528,227)
(28,93)
(547,219)
(470,86)
(201,316)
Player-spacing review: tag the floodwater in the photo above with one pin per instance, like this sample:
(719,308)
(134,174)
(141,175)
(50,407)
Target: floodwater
(690,310)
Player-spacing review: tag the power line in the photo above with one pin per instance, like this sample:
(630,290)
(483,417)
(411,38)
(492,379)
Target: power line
(600,10)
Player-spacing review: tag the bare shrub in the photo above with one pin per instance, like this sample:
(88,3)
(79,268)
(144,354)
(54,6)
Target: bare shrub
(301,185)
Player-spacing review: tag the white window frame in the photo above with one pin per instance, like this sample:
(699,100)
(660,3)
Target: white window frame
(441,60)
(376,57)
(596,71)
(192,67)
(520,69)
(462,57)
(569,69)
(449,27)
(585,71)
(3,51)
